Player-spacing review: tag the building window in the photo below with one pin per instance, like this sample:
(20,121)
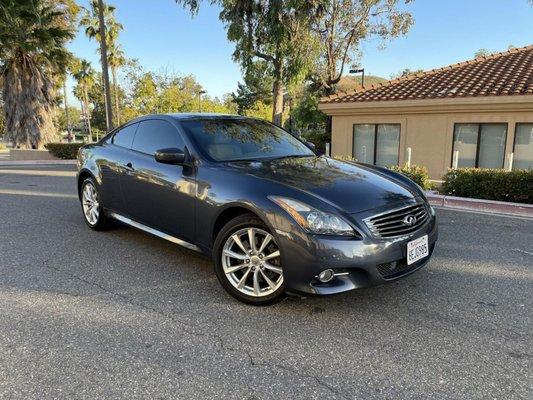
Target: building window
(376,144)
(479,145)
(523,147)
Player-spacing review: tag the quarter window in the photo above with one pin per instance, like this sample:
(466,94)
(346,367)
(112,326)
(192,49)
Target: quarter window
(154,135)
(479,145)
(523,147)
(376,143)
(124,137)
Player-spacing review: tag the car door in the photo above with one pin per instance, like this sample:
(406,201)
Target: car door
(112,166)
(161,196)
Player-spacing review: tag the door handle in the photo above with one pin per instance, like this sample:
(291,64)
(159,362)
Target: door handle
(129,167)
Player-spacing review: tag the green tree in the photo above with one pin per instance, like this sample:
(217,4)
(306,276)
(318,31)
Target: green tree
(97,14)
(481,53)
(90,22)
(33,35)
(116,59)
(74,116)
(307,120)
(276,32)
(256,89)
(406,72)
(85,77)
(341,27)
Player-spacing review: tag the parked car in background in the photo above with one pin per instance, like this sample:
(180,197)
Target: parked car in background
(275,217)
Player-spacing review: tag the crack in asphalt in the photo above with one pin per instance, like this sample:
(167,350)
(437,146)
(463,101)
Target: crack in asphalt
(194,332)
(298,373)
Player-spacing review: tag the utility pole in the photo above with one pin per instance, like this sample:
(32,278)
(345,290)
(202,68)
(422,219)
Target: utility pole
(105,70)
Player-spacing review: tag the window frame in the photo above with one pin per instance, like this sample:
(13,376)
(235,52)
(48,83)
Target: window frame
(514,137)
(478,142)
(374,156)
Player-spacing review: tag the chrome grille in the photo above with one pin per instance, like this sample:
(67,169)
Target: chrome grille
(396,222)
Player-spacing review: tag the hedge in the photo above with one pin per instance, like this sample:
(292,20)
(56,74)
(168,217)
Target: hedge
(490,184)
(65,151)
(416,173)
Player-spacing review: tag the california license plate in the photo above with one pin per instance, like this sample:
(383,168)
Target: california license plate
(417,249)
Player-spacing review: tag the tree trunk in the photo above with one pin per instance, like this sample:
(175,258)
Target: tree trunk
(28,106)
(277,94)
(105,72)
(87,113)
(66,107)
(117,108)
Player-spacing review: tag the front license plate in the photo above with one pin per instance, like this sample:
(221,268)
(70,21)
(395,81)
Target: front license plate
(417,249)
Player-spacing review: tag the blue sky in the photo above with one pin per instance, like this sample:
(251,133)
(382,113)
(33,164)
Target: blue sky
(161,34)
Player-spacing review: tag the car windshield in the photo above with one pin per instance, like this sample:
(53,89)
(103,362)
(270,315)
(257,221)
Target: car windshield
(243,139)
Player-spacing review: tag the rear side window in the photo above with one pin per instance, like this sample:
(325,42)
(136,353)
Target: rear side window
(154,135)
(124,137)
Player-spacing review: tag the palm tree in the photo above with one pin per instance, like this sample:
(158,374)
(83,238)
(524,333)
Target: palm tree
(90,21)
(84,76)
(116,60)
(33,35)
(100,18)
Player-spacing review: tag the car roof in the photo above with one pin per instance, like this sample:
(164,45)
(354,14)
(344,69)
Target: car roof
(188,116)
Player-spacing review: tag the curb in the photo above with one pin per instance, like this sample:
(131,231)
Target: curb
(38,162)
(480,205)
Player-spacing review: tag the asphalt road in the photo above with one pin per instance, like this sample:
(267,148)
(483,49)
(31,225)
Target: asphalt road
(124,314)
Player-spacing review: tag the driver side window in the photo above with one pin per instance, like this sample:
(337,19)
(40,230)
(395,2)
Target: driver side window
(153,135)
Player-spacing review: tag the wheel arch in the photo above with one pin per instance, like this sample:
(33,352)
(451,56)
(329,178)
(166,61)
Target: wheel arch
(82,175)
(230,212)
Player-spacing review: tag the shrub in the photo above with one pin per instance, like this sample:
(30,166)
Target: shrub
(490,184)
(65,151)
(416,173)
(2,146)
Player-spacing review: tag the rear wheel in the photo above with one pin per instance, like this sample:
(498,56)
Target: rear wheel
(248,261)
(93,213)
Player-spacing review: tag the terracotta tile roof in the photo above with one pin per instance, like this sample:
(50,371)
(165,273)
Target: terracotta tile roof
(501,74)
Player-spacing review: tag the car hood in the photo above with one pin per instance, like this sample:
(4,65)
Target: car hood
(350,187)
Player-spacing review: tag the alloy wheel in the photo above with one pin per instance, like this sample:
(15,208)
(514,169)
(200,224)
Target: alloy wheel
(251,261)
(91,207)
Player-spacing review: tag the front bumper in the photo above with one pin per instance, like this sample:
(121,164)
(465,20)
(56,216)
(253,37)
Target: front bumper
(367,262)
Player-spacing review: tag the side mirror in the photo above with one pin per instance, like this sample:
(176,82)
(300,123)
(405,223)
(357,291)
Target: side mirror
(170,156)
(311,146)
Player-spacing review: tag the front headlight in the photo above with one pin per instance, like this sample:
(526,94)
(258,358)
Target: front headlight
(313,220)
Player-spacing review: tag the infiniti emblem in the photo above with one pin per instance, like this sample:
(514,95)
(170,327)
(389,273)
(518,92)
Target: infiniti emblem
(409,220)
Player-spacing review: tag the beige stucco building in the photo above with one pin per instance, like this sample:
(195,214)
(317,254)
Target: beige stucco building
(473,114)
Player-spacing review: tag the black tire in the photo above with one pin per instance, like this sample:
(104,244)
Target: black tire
(236,224)
(102,222)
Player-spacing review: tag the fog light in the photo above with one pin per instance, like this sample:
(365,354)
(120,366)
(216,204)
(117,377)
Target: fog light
(326,275)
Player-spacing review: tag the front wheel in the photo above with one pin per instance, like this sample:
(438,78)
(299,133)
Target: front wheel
(248,261)
(93,212)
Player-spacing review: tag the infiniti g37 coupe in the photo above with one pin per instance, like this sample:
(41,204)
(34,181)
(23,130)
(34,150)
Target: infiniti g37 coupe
(275,217)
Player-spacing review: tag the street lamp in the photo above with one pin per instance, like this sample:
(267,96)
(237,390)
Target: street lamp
(200,93)
(357,71)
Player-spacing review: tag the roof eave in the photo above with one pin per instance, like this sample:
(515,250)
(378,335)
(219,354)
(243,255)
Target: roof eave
(515,102)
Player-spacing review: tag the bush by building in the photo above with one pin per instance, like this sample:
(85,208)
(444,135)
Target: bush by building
(65,151)
(416,173)
(490,184)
